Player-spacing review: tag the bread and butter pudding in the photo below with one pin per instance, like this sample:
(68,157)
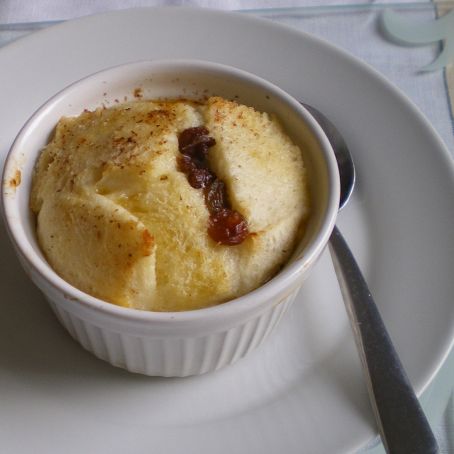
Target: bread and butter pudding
(169,205)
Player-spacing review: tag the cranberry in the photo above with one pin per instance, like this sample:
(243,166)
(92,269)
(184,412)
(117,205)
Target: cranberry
(228,227)
(200,178)
(216,196)
(185,164)
(195,142)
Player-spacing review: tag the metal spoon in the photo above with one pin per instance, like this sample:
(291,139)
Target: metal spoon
(402,424)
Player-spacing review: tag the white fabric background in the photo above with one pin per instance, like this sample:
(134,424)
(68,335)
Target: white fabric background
(40,10)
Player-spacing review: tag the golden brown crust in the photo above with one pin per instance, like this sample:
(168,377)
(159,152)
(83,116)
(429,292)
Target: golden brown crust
(117,219)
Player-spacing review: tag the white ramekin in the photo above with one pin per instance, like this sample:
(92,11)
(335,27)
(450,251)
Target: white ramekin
(170,343)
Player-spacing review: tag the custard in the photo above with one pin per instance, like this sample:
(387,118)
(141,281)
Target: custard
(120,217)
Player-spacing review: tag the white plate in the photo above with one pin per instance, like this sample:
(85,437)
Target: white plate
(303,390)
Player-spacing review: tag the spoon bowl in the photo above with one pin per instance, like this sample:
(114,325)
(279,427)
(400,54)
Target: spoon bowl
(344,159)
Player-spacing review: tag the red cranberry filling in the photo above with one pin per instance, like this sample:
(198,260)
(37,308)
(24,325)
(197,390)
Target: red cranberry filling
(226,226)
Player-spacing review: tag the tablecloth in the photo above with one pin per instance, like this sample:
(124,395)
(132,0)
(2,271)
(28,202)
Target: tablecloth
(330,20)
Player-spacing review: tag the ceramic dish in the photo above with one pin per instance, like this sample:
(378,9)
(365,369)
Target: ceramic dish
(302,390)
(171,343)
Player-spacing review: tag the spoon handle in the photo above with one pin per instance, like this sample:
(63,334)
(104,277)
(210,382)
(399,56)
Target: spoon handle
(401,421)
